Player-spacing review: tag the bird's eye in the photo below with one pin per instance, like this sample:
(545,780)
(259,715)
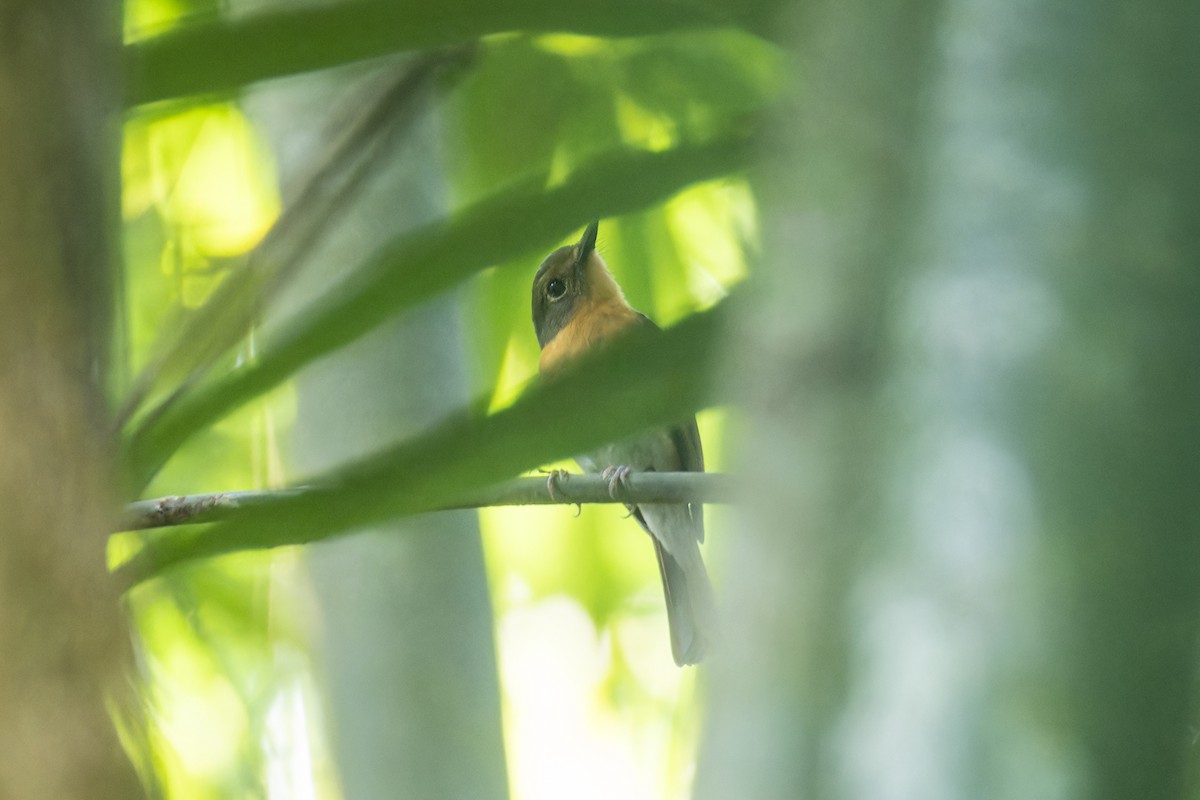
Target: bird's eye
(555,289)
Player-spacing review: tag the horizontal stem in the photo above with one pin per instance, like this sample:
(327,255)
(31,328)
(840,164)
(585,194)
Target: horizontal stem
(569,489)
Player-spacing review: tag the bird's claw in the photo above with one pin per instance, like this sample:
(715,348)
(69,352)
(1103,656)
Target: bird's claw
(617,477)
(552,478)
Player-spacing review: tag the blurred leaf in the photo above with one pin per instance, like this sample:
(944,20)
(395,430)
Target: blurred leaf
(593,94)
(152,17)
(643,239)
(221,56)
(648,378)
(701,78)
(208,332)
(417,266)
(569,118)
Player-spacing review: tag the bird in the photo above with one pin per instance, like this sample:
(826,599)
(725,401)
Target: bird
(578,306)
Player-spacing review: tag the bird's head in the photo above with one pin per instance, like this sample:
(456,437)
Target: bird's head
(568,280)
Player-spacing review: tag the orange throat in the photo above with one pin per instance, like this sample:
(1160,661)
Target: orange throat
(591,325)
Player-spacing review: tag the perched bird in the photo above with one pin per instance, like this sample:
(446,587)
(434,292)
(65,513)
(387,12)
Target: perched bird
(577,305)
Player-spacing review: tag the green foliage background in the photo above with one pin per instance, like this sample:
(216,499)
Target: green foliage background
(543,127)
(967,562)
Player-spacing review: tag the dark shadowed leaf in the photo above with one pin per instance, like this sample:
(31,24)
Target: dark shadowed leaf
(223,55)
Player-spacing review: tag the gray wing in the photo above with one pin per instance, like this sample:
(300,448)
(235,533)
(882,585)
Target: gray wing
(691,614)
(686,439)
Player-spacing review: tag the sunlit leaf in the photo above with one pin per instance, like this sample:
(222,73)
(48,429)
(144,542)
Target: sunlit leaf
(201,337)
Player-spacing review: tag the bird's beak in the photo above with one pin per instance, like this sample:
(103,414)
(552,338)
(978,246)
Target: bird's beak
(588,243)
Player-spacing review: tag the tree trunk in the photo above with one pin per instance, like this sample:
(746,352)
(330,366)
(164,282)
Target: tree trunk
(970,562)
(63,642)
(406,648)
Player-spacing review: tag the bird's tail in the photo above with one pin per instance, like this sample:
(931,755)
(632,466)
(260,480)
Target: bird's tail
(691,609)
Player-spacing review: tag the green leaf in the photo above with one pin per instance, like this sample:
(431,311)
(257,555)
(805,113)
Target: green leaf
(593,94)
(417,266)
(646,379)
(644,92)
(222,56)
(201,336)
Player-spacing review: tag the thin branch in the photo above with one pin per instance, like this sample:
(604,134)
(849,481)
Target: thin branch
(569,489)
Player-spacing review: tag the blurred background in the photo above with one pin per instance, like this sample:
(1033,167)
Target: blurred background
(929,274)
(530,643)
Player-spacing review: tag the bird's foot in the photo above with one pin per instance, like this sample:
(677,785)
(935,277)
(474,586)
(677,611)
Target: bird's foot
(553,476)
(617,477)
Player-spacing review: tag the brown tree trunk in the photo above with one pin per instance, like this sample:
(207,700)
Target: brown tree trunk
(62,638)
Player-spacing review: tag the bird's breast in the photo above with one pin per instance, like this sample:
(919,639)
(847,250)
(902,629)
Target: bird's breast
(591,325)
(652,450)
